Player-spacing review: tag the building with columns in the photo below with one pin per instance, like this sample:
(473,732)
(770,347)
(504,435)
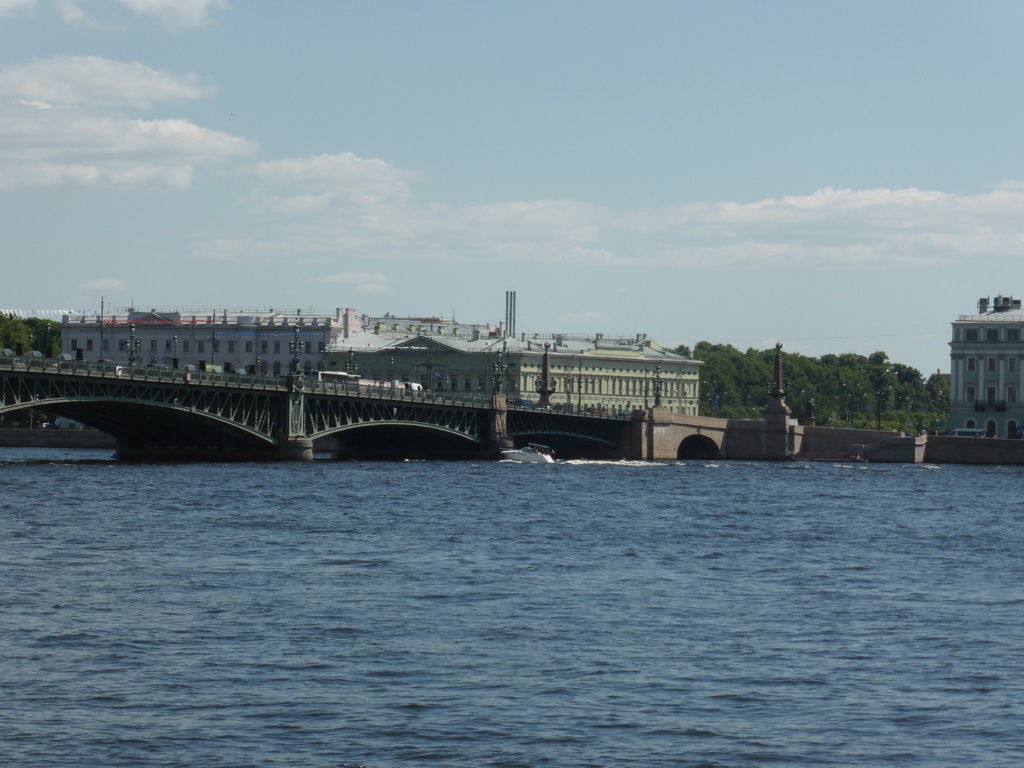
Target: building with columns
(583,373)
(261,340)
(986,355)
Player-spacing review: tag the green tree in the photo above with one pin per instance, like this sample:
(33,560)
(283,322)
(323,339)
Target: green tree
(838,390)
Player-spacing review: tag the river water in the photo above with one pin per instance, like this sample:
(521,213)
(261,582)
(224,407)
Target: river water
(497,614)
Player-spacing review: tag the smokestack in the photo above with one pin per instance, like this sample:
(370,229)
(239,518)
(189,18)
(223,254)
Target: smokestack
(510,313)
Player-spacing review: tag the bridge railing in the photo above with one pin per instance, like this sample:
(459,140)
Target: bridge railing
(155,373)
(384,391)
(243,380)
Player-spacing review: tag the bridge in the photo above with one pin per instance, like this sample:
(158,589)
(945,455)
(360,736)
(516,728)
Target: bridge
(170,414)
(158,413)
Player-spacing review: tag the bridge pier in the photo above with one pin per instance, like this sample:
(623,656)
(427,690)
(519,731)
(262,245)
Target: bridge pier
(496,446)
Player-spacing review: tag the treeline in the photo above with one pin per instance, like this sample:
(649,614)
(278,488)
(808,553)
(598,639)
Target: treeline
(845,390)
(32,334)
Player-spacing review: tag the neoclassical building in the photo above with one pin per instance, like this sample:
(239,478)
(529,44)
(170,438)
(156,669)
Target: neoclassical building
(986,380)
(591,374)
(258,340)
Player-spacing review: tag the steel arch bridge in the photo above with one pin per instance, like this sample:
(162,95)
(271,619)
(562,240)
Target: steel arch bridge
(168,413)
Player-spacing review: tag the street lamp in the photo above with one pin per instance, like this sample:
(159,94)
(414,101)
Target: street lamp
(657,386)
(133,344)
(295,345)
(174,360)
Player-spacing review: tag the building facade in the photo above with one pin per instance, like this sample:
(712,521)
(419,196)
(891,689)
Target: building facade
(262,341)
(585,374)
(986,377)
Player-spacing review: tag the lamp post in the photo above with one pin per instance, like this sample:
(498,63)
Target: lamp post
(881,392)
(174,359)
(579,384)
(133,344)
(657,386)
(295,346)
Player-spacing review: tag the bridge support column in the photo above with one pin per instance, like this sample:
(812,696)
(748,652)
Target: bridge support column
(496,446)
(300,449)
(500,440)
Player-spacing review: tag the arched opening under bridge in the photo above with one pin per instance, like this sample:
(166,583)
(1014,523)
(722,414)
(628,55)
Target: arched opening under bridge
(698,447)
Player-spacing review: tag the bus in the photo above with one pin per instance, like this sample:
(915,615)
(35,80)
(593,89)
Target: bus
(341,377)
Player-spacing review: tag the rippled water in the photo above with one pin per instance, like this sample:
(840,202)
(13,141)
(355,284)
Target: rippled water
(477,614)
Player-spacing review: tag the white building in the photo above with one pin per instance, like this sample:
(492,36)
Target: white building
(986,377)
(257,340)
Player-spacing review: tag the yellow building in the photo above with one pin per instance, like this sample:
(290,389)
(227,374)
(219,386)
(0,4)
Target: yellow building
(596,374)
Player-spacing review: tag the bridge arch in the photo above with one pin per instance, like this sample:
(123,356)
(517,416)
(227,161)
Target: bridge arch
(698,447)
(404,440)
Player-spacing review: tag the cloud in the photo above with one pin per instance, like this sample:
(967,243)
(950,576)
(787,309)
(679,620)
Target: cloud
(172,14)
(98,82)
(102,284)
(63,126)
(341,206)
(335,180)
(835,228)
(8,7)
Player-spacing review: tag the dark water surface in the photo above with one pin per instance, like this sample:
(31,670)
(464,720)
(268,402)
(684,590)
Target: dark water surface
(475,614)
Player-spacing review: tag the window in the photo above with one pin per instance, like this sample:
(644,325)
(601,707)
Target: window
(231,347)
(248,346)
(1013,334)
(105,345)
(969,394)
(74,343)
(88,345)
(991,335)
(469,383)
(167,345)
(152,345)
(1011,394)
(185,346)
(200,346)
(970,334)
(970,364)
(991,363)
(277,347)
(1011,363)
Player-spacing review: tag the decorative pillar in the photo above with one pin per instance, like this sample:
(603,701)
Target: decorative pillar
(545,387)
(778,444)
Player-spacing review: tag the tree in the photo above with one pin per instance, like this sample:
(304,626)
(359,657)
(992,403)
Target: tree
(845,389)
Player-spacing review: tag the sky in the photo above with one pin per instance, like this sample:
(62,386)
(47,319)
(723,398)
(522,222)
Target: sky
(836,176)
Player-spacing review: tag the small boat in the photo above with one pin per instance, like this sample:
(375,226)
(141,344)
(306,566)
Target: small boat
(534,453)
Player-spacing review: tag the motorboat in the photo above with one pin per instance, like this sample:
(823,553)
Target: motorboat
(533,453)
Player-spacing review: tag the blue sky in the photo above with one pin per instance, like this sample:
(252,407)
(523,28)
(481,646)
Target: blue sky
(841,177)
